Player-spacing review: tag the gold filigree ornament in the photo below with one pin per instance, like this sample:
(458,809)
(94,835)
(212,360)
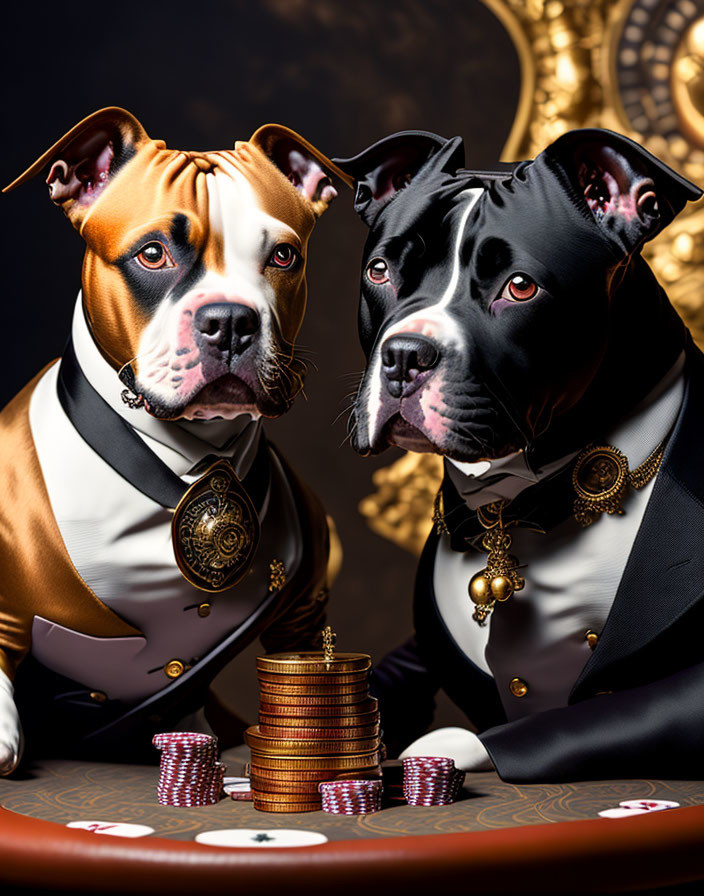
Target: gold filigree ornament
(329,639)
(439,524)
(499,579)
(277,575)
(601,478)
(215,530)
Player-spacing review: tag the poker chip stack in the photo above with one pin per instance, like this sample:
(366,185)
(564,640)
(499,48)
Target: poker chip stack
(431,781)
(351,797)
(189,774)
(316,722)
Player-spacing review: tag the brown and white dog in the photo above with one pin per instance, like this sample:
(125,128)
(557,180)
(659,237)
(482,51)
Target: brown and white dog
(193,295)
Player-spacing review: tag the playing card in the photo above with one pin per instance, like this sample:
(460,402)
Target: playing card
(622,812)
(112,828)
(260,838)
(649,805)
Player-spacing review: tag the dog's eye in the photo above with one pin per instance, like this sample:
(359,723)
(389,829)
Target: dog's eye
(284,257)
(155,256)
(378,271)
(520,288)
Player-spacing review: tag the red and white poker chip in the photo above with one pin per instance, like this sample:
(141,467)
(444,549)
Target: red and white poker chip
(431,780)
(351,796)
(189,774)
(238,788)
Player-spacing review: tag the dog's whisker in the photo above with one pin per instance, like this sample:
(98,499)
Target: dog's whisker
(344,411)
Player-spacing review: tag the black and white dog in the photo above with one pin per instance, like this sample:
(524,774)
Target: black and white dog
(509,323)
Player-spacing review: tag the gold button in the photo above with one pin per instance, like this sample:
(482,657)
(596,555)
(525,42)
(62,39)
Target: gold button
(591,638)
(98,696)
(204,610)
(174,668)
(518,687)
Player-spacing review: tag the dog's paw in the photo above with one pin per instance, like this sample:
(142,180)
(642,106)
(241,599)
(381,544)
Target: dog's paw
(459,744)
(9,759)
(10,729)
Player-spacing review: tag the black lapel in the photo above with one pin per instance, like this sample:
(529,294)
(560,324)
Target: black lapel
(664,575)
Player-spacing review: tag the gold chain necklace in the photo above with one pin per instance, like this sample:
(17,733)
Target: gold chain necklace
(601,478)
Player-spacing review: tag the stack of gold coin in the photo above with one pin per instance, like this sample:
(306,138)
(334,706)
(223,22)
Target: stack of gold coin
(317,722)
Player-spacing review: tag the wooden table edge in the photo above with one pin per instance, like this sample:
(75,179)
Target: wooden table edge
(597,855)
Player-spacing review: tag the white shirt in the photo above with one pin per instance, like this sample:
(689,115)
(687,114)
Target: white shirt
(119,540)
(572,574)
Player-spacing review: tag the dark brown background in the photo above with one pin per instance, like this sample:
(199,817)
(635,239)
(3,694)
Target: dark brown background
(201,75)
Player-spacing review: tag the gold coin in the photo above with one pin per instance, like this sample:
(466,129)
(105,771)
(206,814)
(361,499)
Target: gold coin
(266,785)
(315,775)
(292,796)
(264,805)
(309,763)
(284,732)
(274,746)
(307,699)
(361,775)
(313,662)
(330,680)
(350,720)
(360,688)
(336,711)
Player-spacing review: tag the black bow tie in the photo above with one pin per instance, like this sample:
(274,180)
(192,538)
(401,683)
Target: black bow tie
(541,506)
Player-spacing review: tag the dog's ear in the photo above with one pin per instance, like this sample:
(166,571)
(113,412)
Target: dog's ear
(83,161)
(387,166)
(305,166)
(632,195)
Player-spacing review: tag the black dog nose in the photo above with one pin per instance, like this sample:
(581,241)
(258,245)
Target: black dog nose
(228,327)
(403,358)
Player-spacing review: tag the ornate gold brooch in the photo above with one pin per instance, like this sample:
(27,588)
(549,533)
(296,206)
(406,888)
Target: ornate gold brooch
(215,530)
(499,579)
(601,478)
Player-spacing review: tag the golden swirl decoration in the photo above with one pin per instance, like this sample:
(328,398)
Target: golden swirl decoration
(635,66)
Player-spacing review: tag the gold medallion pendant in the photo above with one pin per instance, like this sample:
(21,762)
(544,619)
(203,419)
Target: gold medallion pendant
(215,530)
(601,478)
(499,579)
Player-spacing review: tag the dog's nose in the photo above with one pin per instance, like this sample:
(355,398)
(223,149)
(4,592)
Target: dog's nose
(228,327)
(403,358)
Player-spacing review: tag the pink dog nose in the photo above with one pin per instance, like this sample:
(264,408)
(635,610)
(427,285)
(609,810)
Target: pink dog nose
(226,327)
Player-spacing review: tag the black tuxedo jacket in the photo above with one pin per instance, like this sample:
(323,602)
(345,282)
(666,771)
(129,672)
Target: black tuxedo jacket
(637,709)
